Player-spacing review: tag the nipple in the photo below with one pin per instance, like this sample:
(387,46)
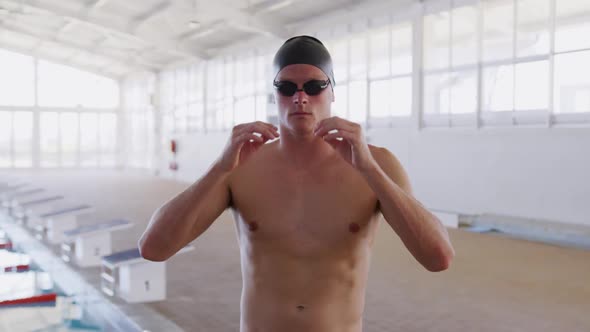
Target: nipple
(354,227)
(252,226)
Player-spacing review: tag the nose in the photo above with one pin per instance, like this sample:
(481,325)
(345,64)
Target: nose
(300,97)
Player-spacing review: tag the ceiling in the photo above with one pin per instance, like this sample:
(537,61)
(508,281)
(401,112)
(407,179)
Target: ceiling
(115,38)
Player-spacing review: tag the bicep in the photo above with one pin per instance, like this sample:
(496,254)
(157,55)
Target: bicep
(218,200)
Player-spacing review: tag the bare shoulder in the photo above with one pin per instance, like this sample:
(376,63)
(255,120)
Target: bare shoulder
(257,163)
(391,165)
(252,172)
(384,157)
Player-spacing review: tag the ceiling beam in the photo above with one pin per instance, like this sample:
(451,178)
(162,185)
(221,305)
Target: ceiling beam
(239,20)
(202,31)
(23,50)
(96,4)
(352,9)
(136,62)
(92,6)
(157,10)
(66,27)
(269,6)
(112,26)
(254,23)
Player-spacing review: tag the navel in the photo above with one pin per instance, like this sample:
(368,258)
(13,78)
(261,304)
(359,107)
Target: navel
(252,226)
(300,308)
(354,227)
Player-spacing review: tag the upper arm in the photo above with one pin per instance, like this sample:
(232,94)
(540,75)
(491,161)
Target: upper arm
(185,217)
(215,203)
(392,167)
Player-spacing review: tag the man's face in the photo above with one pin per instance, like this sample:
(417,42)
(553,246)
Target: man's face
(299,113)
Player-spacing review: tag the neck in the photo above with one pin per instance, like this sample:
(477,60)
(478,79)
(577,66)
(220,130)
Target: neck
(301,148)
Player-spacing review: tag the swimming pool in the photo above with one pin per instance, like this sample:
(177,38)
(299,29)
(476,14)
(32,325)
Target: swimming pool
(40,292)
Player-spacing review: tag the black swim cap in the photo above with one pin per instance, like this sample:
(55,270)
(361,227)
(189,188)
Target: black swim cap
(304,50)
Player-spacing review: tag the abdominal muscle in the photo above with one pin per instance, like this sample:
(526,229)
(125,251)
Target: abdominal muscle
(290,293)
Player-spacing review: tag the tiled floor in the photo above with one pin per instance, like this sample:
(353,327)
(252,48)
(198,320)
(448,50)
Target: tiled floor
(494,284)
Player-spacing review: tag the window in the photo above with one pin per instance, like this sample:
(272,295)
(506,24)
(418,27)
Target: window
(515,60)
(531,88)
(498,23)
(379,52)
(358,57)
(485,60)
(89,139)
(380,103)
(373,71)
(5,139)
(532,29)
(49,139)
(401,49)
(358,101)
(108,139)
(63,102)
(23,139)
(571,88)
(138,119)
(215,92)
(245,110)
(436,41)
(572,25)
(401,96)
(196,107)
(76,88)
(339,53)
(464,36)
(68,139)
(498,88)
(340,104)
(16,139)
(17,79)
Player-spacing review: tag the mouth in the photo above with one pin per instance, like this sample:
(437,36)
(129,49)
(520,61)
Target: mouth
(300,114)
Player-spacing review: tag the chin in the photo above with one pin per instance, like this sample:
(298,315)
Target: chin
(302,129)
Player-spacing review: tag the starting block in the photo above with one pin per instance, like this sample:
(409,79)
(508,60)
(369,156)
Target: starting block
(134,278)
(27,209)
(54,223)
(88,244)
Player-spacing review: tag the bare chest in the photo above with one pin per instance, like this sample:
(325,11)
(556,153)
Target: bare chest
(304,213)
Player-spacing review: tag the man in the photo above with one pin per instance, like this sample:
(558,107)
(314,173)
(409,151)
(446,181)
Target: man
(306,206)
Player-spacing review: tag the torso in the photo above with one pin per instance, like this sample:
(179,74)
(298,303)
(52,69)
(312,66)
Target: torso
(305,237)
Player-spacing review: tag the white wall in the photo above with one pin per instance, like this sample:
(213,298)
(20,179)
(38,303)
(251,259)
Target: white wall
(195,153)
(527,172)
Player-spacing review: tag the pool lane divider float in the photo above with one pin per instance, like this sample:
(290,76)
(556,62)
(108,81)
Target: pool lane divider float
(44,300)
(17,268)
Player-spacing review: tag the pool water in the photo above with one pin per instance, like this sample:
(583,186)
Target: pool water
(58,312)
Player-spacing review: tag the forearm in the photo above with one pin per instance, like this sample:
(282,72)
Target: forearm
(183,217)
(422,233)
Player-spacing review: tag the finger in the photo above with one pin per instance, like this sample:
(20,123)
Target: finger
(332,120)
(351,138)
(253,127)
(266,130)
(248,137)
(266,125)
(262,131)
(330,124)
(270,125)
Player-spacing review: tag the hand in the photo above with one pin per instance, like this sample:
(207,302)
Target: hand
(349,140)
(243,143)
